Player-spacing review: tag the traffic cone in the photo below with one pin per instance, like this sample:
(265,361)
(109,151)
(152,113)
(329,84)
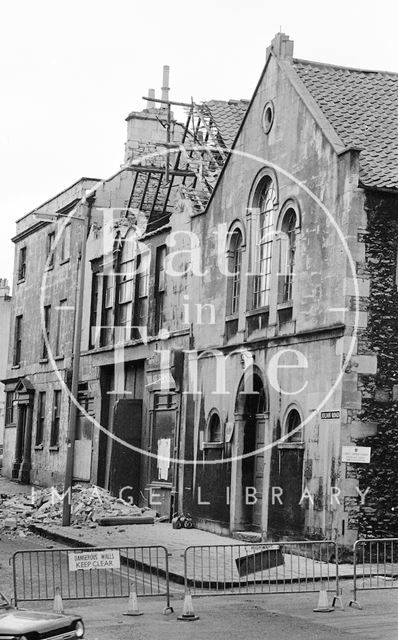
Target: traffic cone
(58,607)
(323,603)
(188,614)
(132,607)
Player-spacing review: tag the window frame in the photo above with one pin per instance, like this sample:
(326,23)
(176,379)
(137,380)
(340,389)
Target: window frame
(50,252)
(235,253)
(9,409)
(56,419)
(66,241)
(210,441)
(287,254)
(160,285)
(40,418)
(47,329)
(60,328)
(22,264)
(18,334)
(265,226)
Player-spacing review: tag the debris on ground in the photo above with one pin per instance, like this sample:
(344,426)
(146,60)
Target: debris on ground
(90,504)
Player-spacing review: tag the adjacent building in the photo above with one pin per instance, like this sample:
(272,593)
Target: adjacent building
(240,308)
(5,317)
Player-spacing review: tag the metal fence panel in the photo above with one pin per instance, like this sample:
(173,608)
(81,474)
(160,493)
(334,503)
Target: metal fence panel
(39,572)
(375,565)
(284,567)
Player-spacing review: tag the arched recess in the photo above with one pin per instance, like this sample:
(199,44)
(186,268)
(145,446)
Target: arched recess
(251,408)
(286,516)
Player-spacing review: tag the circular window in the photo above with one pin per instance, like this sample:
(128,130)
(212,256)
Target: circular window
(268,117)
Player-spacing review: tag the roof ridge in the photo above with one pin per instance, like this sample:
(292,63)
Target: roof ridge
(339,66)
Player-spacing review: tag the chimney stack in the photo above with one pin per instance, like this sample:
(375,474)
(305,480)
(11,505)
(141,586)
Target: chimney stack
(165,88)
(281,46)
(149,104)
(4,288)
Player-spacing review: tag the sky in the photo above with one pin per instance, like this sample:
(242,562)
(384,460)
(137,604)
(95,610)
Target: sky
(71,72)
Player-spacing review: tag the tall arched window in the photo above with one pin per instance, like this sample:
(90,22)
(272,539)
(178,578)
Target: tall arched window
(293,421)
(287,256)
(262,280)
(235,269)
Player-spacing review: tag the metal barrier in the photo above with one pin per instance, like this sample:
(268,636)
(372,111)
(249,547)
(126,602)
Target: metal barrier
(285,567)
(91,572)
(375,565)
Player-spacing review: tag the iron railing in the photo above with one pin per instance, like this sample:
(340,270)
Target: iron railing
(375,565)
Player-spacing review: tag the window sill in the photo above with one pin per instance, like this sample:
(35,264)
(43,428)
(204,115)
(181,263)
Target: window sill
(159,484)
(291,445)
(21,280)
(255,312)
(59,357)
(16,366)
(54,448)
(39,447)
(64,261)
(231,317)
(50,267)
(285,305)
(212,445)
(10,426)
(43,360)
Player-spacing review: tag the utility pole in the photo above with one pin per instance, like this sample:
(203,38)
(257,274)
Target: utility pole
(85,208)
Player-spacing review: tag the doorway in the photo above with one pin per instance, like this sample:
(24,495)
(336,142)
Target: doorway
(251,406)
(285,514)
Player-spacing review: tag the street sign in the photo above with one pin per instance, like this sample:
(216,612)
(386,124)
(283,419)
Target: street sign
(330,415)
(356,454)
(87,560)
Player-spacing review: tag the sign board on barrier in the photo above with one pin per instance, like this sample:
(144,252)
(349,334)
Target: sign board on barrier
(87,560)
(356,454)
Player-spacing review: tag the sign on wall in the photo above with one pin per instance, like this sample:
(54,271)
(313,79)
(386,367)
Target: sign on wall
(330,415)
(87,560)
(356,454)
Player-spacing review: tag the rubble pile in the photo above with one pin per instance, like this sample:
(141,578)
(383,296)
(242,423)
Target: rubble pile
(44,506)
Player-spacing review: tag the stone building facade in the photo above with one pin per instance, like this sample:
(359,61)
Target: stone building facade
(45,276)
(236,331)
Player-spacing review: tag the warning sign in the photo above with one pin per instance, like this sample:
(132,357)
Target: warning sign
(87,560)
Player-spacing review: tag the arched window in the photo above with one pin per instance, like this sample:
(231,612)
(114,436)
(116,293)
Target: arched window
(266,212)
(287,256)
(293,421)
(214,428)
(235,268)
